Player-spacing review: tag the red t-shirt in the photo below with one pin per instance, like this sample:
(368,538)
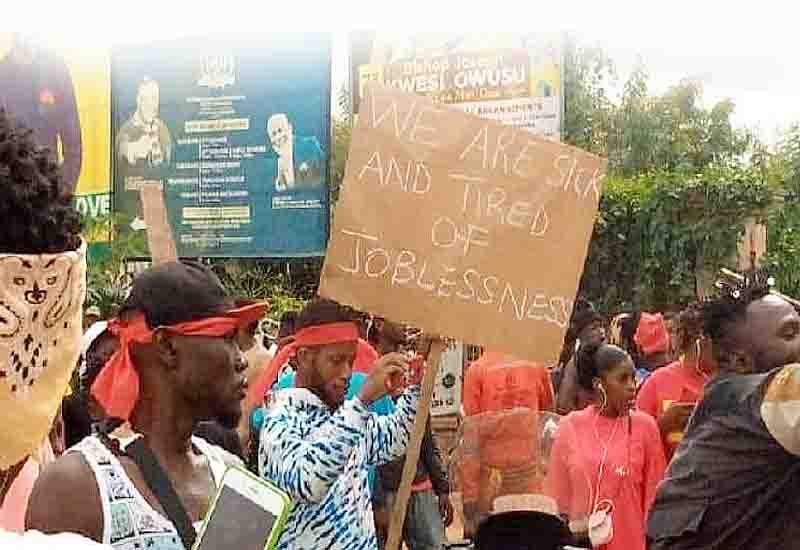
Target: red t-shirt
(633,468)
(498,382)
(674,383)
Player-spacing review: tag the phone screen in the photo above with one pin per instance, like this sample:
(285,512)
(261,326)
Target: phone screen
(237,523)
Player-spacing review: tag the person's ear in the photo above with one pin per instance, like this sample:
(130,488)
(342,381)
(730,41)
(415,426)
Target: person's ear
(166,348)
(304,357)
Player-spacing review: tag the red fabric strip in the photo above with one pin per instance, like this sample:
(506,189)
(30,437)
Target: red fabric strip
(116,388)
(331,333)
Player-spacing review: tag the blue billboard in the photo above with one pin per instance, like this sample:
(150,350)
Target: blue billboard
(236,132)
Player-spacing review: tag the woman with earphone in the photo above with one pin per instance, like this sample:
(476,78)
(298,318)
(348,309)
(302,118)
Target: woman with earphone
(670,394)
(607,459)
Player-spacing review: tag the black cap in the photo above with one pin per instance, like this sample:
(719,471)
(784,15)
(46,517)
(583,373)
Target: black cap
(177,292)
(521,530)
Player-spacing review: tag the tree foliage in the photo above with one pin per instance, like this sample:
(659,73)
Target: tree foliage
(260,280)
(656,234)
(783,257)
(643,133)
(342,133)
(589,75)
(683,180)
(107,280)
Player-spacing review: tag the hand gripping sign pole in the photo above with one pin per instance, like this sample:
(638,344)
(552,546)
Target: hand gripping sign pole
(414,446)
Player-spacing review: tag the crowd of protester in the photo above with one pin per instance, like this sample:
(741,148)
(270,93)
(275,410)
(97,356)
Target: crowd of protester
(650,430)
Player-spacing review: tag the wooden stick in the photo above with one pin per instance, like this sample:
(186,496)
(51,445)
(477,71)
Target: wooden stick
(159,232)
(414,446)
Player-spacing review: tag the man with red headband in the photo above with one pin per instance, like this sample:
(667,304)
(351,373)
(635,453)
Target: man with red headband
(319,447)
(178,364)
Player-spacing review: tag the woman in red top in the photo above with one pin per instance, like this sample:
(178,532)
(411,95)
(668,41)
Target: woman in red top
(669,394)
(607,457)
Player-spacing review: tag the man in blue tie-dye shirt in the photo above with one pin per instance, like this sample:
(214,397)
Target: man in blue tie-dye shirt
(319,447)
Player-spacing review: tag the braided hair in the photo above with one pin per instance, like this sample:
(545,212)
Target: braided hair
(729,307)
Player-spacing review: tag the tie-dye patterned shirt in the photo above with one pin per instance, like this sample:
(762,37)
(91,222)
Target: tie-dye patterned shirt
(322,460)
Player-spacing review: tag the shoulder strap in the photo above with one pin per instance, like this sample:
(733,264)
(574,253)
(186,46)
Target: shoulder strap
(159,482)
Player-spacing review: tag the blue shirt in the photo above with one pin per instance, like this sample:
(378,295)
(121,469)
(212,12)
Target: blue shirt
(322,459)
(383,406)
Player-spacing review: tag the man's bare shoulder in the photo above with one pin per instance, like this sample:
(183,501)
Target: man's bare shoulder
(66,498)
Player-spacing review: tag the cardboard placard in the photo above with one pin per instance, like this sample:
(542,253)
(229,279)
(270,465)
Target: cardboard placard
(461,226)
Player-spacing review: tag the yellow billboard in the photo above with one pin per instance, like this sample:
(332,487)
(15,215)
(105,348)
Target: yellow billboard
(64,96)
(91,76)
(514,78)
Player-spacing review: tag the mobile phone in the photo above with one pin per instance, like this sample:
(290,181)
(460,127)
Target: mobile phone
(248,513)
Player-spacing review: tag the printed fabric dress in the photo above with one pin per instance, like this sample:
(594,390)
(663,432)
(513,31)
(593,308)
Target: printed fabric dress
(322,459)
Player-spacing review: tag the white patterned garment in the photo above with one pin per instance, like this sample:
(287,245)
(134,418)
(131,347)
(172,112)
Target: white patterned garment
(129,522)
(322,460)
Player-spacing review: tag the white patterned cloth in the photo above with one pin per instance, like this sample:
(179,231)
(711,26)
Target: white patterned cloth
(129,522)
(322,459)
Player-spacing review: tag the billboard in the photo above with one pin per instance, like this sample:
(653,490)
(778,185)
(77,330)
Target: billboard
(63,95)
(513,78)
(236,132)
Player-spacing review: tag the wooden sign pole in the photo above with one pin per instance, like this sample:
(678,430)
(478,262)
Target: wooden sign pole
(159,233)
(414,446)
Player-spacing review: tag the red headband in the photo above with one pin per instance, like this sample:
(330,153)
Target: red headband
(332,333)
(320,335)
(117,386)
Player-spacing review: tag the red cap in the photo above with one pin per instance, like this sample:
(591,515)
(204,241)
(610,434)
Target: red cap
(651,334)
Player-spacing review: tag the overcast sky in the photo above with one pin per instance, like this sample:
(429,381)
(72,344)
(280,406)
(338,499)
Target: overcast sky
(747,51)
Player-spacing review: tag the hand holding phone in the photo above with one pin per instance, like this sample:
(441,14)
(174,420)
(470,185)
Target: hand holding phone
(248,513)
